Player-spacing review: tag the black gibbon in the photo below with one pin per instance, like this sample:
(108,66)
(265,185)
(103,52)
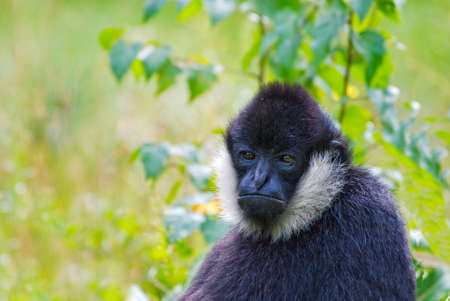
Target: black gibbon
(309,225)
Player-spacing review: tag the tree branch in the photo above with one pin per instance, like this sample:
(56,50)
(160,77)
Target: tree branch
(263,58)
(347,67)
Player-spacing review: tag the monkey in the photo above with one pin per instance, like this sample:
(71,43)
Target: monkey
(308,224)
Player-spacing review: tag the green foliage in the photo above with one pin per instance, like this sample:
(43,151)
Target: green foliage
(199,198)
(153,158)
(121,57)
(180,222)
(109,36)
(337,50)
(167,76)
(200,79)
(154,58)
(326,28)
(213,229)
(361,7)
(151,7)
(370,44)
(189,9)
(389,9)
(432,283)
(219,9)
(444,135)
(200,175)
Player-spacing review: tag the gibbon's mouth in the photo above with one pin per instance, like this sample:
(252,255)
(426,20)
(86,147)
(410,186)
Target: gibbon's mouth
(260,206)
(261,196)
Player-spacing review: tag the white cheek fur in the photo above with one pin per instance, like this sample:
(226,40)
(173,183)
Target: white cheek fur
(315,192)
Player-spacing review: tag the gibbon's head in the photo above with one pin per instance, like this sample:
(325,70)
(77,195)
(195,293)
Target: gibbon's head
(283,164)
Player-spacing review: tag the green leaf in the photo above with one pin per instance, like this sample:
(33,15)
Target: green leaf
(190,10)
(421,194)
(283,59)
(153,157)
(153,58)
(414,146)
(186,150)
(200,78)
(333,77)
(327,27)
(151,7)
(183,249)
(219,9)
(287,39)
(181,4)
(109,36)
(355,121)
(200,175)
(196,199)
(219,131)
(433,284)
(167,76)
(137,68)
(382,75)
(361,7)
(252,52)
(214,229)
(181,222)
(370,44)
(389,9)
(121,56)
(323,86)
(271,7)
(173,192)
(268,41)
(286,51)
(286,22)
(418,241)
(444,135)
(134,155)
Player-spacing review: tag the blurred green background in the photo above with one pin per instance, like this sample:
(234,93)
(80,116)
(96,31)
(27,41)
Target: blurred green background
(77,220)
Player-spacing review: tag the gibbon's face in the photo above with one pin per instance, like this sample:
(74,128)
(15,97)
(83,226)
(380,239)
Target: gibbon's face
(284,163)
(267,177)
(269,144)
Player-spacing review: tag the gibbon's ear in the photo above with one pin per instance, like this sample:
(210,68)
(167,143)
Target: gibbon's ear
(339,150)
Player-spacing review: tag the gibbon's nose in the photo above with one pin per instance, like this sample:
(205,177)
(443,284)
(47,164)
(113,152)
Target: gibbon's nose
(261,174)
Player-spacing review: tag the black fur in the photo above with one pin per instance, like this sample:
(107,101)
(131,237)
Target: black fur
(357,250)
(282,116)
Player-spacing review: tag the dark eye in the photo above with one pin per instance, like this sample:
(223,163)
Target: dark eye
(286,158)
(247,155)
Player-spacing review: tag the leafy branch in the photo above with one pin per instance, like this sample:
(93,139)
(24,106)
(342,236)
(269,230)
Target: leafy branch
(347,68)
(298,41)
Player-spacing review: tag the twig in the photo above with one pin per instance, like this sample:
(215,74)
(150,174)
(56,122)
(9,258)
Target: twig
(158,284)
(182,62)
(309,17)
(243,73)
(263,59)
(347,68)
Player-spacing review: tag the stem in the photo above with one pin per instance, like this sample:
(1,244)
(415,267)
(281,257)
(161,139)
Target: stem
(347,67)
(263,59)
(182,62)
(159,285)
(309,16)
(243,73)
